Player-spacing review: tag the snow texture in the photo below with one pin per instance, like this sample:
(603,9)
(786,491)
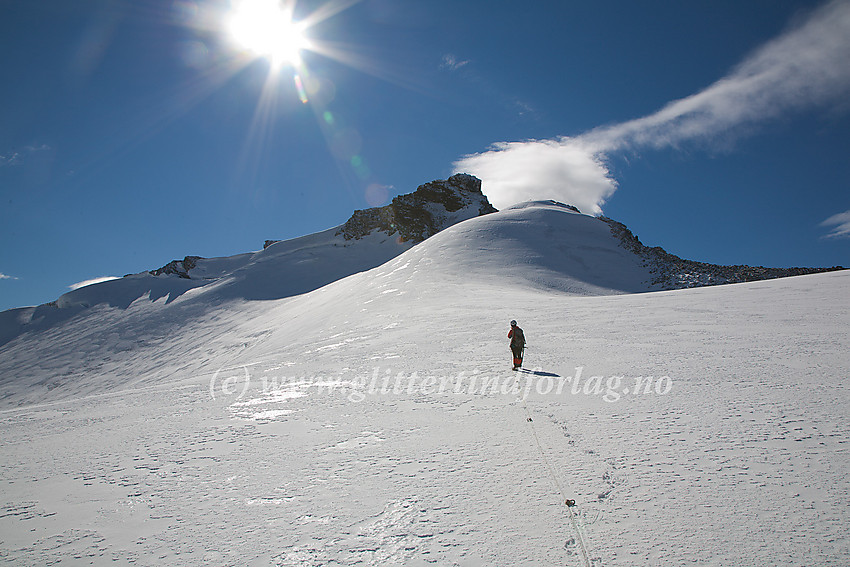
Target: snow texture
(246,420)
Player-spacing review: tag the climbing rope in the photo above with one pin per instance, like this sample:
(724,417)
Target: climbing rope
(568,503)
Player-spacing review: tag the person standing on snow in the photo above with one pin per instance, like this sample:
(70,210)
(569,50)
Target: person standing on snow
(517,344)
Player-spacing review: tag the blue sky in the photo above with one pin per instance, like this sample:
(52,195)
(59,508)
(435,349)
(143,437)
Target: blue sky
(136,132)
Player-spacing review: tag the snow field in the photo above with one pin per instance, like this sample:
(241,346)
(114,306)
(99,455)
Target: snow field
(217,430)
(740,463)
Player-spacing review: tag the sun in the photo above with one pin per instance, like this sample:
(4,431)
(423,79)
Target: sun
(265,28)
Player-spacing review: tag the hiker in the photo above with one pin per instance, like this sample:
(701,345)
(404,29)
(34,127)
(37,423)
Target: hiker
(517,344)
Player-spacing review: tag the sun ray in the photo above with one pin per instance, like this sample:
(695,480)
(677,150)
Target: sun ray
(327,11)
(348,55)
(157,113)
(253,30)
(260,131)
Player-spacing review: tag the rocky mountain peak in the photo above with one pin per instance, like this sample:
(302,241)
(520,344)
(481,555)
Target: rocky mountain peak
(413,217)
(416,216)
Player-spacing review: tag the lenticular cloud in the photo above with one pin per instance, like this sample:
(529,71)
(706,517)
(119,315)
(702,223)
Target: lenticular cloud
(563,169)
(804,67)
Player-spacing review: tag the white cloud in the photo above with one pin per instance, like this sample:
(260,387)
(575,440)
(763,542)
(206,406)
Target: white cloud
(804,67)
(6,277)
(840,224)
(451,62)
(84,283)
(562,169)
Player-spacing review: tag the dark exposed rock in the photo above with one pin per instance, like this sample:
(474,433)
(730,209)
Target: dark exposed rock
(672,272)
(178,267)
(413,217)
(431,208)
(439,204)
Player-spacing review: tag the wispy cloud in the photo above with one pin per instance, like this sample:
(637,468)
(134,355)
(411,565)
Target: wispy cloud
(9,159)
(18,157)
(84,283)
(804,67)
(6,277)
(840,224)
(451,62)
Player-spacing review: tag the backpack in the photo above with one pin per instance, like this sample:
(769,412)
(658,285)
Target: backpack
(519,337)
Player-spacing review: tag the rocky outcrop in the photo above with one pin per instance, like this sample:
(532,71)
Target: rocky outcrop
(671,272)
(412,217)
(416,216)
(178,268)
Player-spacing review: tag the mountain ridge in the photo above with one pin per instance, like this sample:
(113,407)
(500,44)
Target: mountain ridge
(413,216)
(673,272)
(282,268)
(372,237)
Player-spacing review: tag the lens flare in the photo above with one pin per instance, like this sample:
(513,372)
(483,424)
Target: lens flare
(302,94)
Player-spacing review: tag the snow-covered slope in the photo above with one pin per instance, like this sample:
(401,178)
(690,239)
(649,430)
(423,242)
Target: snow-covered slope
(283,268)
(375,421)
(542,245)
(535,245)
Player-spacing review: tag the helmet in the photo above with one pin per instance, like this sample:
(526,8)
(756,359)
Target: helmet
(513,323)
